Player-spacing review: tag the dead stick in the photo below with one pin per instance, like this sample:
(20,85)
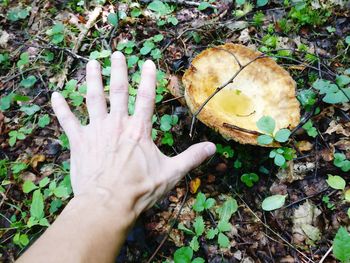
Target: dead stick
(92,19)
(234,127)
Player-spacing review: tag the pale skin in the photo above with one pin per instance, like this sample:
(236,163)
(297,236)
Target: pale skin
(117,171)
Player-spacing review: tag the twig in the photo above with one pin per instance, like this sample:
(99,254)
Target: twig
(19,74)
(172,225)
(326,255)
(66,50)
(176,98)
(231,126)
(92,19)
(303,199)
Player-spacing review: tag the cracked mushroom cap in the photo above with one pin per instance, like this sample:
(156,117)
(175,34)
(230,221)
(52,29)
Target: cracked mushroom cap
(263,88)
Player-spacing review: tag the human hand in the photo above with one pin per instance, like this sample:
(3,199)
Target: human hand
(113,158)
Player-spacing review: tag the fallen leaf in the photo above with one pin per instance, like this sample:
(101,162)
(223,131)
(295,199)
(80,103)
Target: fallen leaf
(304,146)
(338,128)
(304,223)
(4,38)
(38,158)
(343,144)
(194,185)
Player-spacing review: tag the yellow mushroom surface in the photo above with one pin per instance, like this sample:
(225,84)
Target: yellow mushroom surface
(263,88)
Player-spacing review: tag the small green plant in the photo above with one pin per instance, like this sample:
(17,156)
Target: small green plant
(28,82)
(329,204)
(258,19)
(267,125)
(19,134)
(185,255)
(307,98)
(333,92)
(310,129)
(126,47)
(341,245)
(336,182)
(249,179)
(75,95)
(202,203)
(168,121)
(281,155)
(23,60)
(198,230)
(341,162)
(18,13)
(112,19)
(44,120)
(225,151)
(56,33)
(163,11)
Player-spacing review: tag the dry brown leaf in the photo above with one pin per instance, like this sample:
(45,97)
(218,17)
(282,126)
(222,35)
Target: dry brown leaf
(304,146)
(304,223)
(338,128)
(343,144)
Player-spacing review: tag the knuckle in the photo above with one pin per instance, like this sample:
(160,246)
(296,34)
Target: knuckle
(145,95)
(117,88)
(94,97)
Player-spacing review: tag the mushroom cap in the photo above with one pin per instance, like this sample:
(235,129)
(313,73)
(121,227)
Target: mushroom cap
(263,88)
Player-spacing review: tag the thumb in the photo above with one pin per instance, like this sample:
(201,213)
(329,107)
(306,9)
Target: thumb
(194,156)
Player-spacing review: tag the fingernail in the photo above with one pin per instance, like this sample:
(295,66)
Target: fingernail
(55,94)
(149,64)
(210,148)
(118,55)
(93,64)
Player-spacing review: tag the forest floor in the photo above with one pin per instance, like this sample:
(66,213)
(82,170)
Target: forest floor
(44,47)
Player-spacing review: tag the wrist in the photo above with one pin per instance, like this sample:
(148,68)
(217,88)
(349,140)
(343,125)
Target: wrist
(103,209)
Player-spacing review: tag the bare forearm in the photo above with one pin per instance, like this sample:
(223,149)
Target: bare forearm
(86,231)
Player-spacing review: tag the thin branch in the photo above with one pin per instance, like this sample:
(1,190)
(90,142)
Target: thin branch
(234,127)
(326,255)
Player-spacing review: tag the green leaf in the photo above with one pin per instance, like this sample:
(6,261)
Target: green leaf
(158,38)
(279,159)
(168,139)
(198,260)
(228,208)
(224,226)
(266,124)
(282,135)
(347,40)
(28,186)
(199,204)
(336,182)
(28,82)
(240,2)
(24,59)
(199,225)
(44,120)
(249,179)
(112,19)
(147,47)
(156,53)
(159,7)
(173,20)
(58,38)
(186,230)
(105,53)
(37,206)
(30,109)
(223,240)
(342,80)
(265,139)
(212,232)
(341,245)
(194,244)
(183,255)
(261,2)
(273,202)
(132,60)
(167,121)
(209,203)
(44,182)
(203,5)
(60,191)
